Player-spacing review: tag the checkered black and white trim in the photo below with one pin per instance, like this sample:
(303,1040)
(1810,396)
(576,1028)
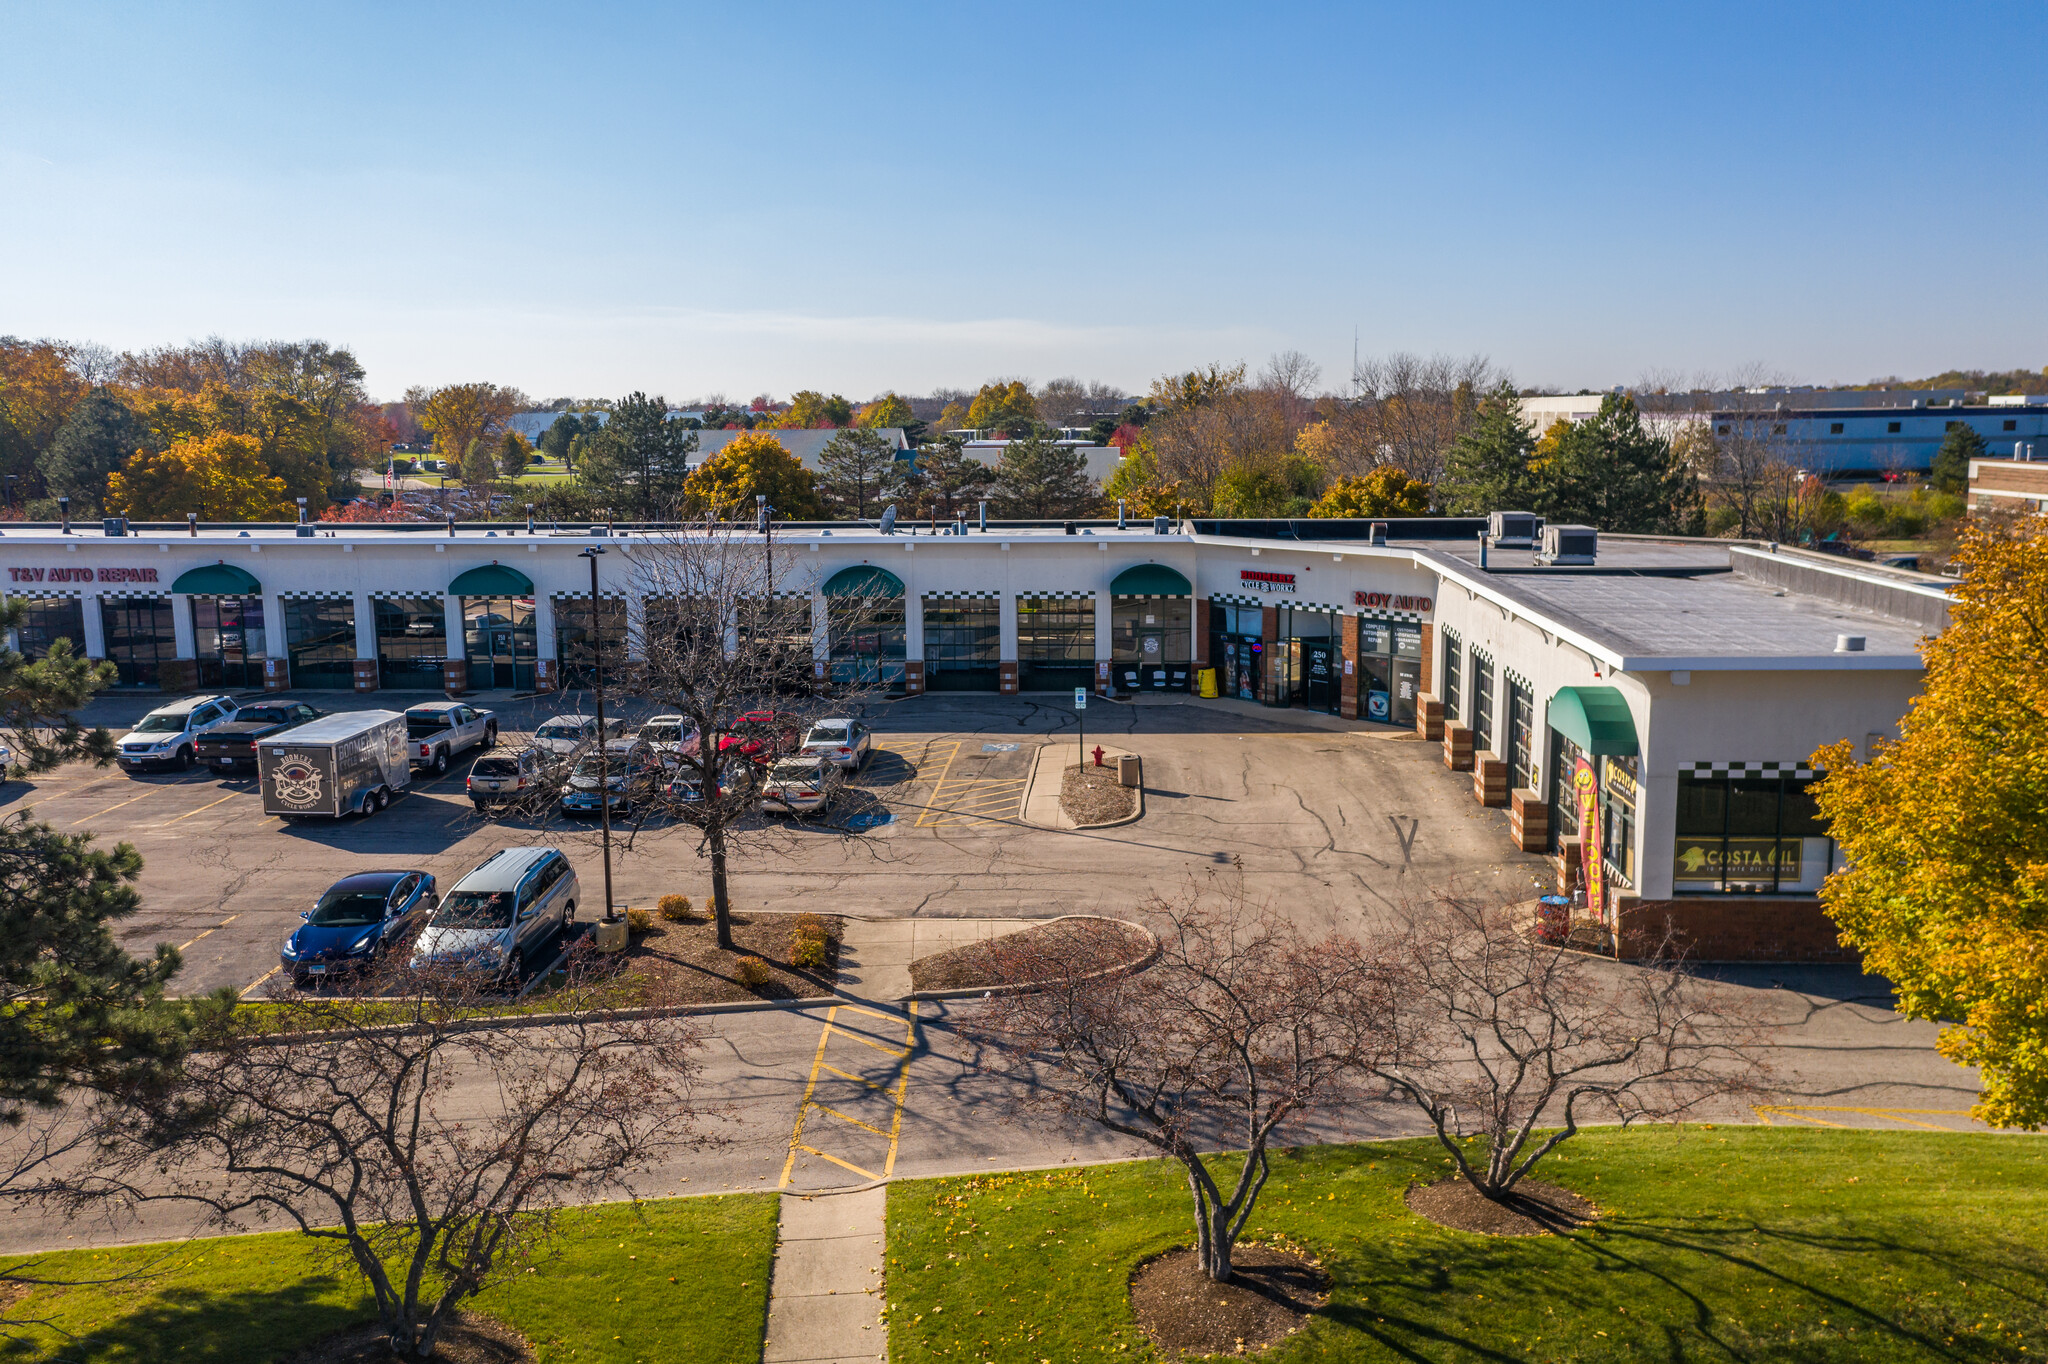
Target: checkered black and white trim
(1241,599)
(1073,594)
(1479,654)
(40,593)
(1798,771)
(1516,679)
(316,596)
(584,595)
(407,596)
(1393,617)
(1149,596)
(963,596)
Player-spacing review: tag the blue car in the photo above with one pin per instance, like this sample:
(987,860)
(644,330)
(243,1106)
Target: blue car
(357,921)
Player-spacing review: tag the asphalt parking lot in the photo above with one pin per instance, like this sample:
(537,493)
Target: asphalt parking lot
(1337,826)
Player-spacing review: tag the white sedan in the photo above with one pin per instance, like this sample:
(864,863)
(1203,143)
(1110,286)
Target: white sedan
(844,743)
(800,785)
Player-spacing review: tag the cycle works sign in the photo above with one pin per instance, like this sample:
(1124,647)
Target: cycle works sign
(1737,859)
(1266,582)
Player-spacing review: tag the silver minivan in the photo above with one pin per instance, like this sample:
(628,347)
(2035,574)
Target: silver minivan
(500,916)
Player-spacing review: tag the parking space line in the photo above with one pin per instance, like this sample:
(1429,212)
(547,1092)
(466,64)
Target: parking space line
(855,1121)
(827,1155)
(1802,1113)
(215,929)
(259,980)
(111,808)
(200,811)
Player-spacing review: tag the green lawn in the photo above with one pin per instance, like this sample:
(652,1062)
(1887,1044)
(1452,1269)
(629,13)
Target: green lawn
(682,1279)
(1747,1243)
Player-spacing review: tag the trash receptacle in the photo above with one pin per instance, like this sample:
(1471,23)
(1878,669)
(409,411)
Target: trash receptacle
(1128,772)
(1205,681)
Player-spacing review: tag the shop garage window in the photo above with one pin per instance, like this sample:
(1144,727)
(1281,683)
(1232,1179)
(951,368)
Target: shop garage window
(1749,835)
(1482,707)
(1454,675)
(45,620)
(320,636)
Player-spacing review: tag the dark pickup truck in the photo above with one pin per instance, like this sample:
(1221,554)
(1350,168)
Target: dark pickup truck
(232,747)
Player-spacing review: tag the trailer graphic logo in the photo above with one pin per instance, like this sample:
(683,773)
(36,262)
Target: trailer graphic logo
(296,779)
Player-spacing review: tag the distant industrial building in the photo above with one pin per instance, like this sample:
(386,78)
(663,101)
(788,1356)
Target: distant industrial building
(1837,432)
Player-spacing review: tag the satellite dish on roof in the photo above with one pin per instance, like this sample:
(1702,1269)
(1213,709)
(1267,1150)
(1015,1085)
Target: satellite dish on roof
(889,520)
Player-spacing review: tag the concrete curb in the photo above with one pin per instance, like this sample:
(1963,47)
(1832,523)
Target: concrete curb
(1031,789)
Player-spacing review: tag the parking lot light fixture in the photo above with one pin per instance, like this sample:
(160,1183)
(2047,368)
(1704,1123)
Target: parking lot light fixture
(604,783)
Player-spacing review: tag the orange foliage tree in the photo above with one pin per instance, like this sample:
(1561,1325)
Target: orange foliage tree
(222,477)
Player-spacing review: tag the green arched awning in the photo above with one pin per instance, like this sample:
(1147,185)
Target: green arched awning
(218,580)
(864,581)
(492,580)
(1150,580)
(1597,719)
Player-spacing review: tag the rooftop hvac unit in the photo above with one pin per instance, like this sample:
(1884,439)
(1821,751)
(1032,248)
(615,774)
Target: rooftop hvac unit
(1568,545)
(1513,530)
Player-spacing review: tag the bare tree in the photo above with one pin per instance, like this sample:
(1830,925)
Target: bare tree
(433,1149)
(1414,409)
(1497,1033)
(1292,373)
(1242,1028)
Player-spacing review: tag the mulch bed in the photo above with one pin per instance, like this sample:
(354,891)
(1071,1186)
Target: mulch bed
(979,965)
(1090,795)
(1271,1294)
(682,963)
(469,1338)
(1532,1209)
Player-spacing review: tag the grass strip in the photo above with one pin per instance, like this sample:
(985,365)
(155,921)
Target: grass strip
(1715,1243)
(683,1279)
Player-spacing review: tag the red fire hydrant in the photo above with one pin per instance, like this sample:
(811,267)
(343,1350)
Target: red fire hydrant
(1098,755)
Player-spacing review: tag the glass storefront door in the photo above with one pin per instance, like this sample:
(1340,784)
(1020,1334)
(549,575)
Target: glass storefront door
(962,644)
(498,641)
(865,638)
(1238,649)
(320,639)
(229,641)
(1389,671)
(140,638)
(1150,641)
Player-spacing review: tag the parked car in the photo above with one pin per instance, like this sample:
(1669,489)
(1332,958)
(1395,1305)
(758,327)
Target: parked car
(521,779)
(842,742)
(227,747)
(567,735)
(500,915)
(631,774)
(438,730)
(356,922)
(737,781)
(802,785)
(764,735)
(671,737)
(169,735)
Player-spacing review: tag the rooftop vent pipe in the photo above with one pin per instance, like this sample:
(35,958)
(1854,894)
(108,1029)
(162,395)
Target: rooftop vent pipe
(192,523)
(1849,644)
(1159,525)
(64,510)
(304,532)
(1120,513)
(451,523)
(984,518)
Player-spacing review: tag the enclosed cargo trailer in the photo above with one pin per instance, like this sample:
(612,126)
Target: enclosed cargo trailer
(353,763)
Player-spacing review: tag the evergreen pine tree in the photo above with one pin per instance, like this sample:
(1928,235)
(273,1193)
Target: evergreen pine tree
(857,473)
(640,457)
(1610,473)
(95,441)
(1040,479)
(1488,469)
(1951,472)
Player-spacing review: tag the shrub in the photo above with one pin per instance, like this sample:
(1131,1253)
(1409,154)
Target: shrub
(639,921)
(676,909)
(811,923)
(753,972)
(807,949)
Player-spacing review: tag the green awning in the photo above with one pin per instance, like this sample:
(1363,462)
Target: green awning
(864,581)
(218,580)
(1150,580)
(1597,719)
(492,580)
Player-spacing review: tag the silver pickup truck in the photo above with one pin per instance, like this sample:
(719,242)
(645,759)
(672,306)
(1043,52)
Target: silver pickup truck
(438,730)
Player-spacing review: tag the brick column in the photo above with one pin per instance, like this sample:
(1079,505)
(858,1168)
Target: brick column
(1006,677)
(455,676)
(1428,683)
(913,677)
(277,672)
(1204,621)
(366,674)
(1354,654)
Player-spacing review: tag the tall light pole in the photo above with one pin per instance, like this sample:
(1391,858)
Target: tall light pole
(604,784)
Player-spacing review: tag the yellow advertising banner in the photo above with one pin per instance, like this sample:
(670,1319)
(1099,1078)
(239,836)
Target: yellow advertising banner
(1587,789)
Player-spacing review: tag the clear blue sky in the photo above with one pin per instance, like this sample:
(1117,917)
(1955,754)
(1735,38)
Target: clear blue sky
(593,198)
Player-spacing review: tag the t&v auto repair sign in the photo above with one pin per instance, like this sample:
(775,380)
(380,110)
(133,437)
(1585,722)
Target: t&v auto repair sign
(1266,582)
(81,575)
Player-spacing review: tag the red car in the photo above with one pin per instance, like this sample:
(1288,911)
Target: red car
(764,735)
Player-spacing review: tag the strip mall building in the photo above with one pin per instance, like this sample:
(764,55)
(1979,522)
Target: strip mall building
(1660,704)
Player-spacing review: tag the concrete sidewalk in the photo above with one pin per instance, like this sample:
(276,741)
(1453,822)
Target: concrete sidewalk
(825,1300)
(875,954)
(1048,777)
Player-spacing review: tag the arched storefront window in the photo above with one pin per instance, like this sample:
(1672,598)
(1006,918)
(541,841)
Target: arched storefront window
(864,627)
(1152,614)
(497,627)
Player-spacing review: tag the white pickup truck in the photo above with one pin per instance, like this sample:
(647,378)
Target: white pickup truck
(437,731)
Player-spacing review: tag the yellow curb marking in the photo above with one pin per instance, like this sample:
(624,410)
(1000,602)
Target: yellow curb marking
(897,1089)
(1801,1114)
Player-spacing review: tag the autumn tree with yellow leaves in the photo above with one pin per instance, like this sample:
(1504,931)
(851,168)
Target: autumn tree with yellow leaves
(222,477)
(724,486)
(1945,832)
